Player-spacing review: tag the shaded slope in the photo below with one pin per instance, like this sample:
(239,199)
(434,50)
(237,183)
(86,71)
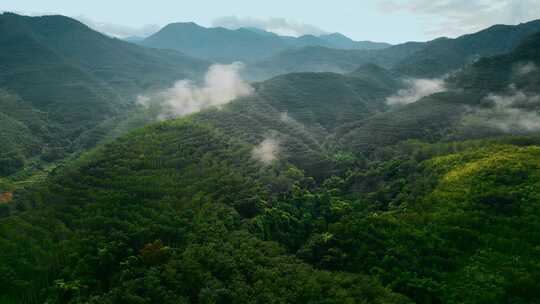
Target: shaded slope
(75,78)
(444,55)
(447,115)
(321,59)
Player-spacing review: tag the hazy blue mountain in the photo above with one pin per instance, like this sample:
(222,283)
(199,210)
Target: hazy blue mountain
(412,59)
(445,55)
(244,44)
(134,39)
(343,42)
(323,59)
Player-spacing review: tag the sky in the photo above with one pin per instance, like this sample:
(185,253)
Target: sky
(392,21)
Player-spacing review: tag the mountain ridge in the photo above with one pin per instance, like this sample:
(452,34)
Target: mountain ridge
(199,41)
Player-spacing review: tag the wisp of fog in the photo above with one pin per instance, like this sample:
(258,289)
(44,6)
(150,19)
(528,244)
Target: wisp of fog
(416,90)
(222,84)
(513,112)
(267,151)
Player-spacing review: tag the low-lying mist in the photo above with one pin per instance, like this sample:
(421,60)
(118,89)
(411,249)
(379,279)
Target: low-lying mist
(416,90)
(515,111)
(267,151)
(222,84)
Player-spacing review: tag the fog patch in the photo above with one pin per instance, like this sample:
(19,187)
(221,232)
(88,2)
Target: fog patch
(512,112)
(222,84)
(267,151)
(416,90)
(526,68)
(285,118)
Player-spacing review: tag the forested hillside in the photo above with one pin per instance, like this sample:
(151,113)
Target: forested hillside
(492,97)
(60,80)
(361,187)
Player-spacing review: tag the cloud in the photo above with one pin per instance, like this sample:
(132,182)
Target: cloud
(514,111)
(525,68)
(280,26)
(417,89)
(117,30)
(267,151)
(457,17)
(222,84)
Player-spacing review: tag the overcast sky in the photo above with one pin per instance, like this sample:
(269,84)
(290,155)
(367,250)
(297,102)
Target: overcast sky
(377,20)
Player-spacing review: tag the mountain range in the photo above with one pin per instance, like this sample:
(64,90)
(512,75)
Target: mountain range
(430,59)
(244,44)
(405,174)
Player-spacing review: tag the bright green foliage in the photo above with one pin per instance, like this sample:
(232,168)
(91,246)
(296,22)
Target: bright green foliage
(463,228)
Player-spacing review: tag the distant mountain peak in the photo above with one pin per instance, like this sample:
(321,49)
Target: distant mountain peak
(247,44)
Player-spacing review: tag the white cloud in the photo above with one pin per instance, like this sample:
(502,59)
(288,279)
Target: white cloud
(457,17)
(416,89)
(280,26)
(222,84)
(284,117)
(515,111)
(267,151)
(117,30)
(526,68)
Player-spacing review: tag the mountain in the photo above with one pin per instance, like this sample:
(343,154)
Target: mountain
(491,97)
(73,79)
(134,39)
(244,44)
(341,41)
(187,210)
(322,59)
(430,59)
(444,55)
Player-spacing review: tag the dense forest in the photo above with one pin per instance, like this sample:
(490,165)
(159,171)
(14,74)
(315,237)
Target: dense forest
(314,188)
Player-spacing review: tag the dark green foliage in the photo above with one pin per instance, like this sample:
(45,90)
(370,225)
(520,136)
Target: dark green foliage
(303,111)
(364,203)
(159,216)
(445,55)
(63,80)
